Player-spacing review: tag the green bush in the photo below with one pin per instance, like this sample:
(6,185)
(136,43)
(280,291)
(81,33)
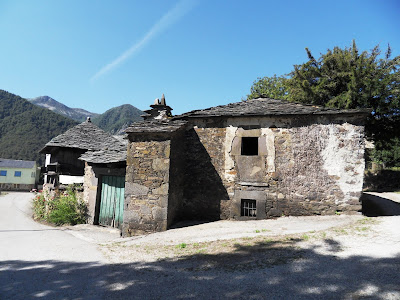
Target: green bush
(39,207)
(63,209)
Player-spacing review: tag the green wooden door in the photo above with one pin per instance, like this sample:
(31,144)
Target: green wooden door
(112,200)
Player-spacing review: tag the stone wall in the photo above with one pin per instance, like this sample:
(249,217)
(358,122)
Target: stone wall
(146,187)
(16,187)
(205,195)
(304,166)
(323,172)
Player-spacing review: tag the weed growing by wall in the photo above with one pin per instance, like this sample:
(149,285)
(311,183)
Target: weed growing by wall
(65,208)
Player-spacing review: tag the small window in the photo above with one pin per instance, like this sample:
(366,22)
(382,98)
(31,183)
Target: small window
(3,173)
(17,174)
(249,145)
(248,208)
(33,175)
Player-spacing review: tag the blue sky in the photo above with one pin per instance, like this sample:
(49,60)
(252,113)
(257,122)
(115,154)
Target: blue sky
(97,54)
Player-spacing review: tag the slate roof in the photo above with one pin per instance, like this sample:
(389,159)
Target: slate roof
(266,107)
(104,156)
(85,136)
(23,164)
(155,126)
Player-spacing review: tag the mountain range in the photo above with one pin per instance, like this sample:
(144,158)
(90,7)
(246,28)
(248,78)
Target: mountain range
(114,120)
(26,126)
(77,114)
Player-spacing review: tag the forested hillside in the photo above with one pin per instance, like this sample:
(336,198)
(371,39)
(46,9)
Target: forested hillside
(25,128)
(117,119)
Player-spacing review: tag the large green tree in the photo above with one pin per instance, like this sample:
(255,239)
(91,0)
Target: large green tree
(274,87)
(347,78)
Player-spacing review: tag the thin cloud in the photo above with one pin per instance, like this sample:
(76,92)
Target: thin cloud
(172,16)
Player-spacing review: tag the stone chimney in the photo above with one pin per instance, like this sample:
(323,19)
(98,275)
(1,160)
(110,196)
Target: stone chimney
(159,110)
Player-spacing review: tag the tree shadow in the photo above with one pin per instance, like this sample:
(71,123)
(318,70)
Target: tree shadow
(375,206)
(265,270)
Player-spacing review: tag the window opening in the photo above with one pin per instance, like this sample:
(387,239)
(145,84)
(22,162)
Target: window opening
(17,174)
(249,145)
(3,173)
(248,208)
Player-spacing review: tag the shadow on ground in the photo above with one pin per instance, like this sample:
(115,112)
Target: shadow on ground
(375,206)
(266,270)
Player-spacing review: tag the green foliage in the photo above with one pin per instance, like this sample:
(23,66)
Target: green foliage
(25,128)
(67,209)
(348,79)
(387,152)
(118,118)
(386,180)
(181,246)
(63,209)
(39,207)
(269,87)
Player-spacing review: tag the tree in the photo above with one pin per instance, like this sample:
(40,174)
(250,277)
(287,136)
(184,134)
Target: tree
(269,87)
(346,78)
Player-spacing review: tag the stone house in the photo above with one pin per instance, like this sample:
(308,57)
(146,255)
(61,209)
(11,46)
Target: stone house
(87,155)
(62,164)
(104,184)
(254,159)
(18,175)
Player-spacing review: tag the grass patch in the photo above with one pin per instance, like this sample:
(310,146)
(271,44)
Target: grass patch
(181,246)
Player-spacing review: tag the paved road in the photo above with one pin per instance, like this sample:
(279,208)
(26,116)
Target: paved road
(41,261)
(38,261)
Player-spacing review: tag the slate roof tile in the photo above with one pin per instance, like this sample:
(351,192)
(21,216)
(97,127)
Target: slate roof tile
(266,107)
(85,136)
(155,126)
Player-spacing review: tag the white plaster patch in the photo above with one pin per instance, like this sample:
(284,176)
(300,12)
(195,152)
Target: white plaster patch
(229,162)
(255,170)
(340,161)
(270,140)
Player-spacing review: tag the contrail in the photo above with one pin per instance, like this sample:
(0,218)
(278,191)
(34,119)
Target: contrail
(173,15)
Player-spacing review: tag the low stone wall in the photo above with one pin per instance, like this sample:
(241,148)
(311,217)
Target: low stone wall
(16,187)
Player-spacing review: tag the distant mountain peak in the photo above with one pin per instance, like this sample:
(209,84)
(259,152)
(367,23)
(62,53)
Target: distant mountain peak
(77,114)
(114,120)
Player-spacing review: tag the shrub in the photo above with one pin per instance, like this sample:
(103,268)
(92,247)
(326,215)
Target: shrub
(39,207)
(63,209)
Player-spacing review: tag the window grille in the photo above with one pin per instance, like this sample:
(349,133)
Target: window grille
(248,208)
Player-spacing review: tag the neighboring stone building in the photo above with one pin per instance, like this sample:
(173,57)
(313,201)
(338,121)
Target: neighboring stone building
(104,184)
(62,152)
(253,159)
(88,155)
(18,175)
